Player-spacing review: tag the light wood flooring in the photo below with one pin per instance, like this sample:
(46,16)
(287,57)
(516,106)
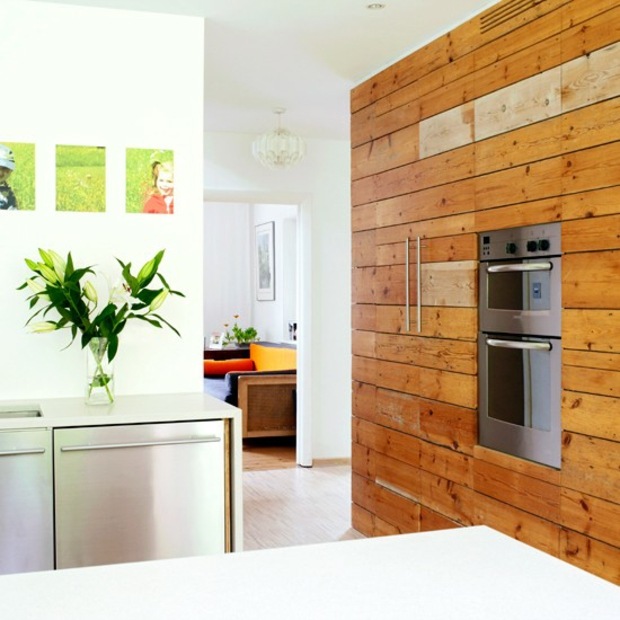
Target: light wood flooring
(286,505)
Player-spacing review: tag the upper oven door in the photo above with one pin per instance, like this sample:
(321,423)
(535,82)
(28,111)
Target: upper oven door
(521,296)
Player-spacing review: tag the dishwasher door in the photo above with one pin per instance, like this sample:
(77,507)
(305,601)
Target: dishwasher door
(26,501)
(137,492)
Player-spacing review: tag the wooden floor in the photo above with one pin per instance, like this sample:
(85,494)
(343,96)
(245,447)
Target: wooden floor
(286,505)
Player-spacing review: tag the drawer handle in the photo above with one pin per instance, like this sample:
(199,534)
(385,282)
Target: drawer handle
(140,444)
(22,452)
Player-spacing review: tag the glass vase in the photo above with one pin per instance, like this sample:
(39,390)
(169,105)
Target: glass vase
(100,373)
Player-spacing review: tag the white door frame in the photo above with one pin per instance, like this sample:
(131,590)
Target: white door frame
(304,301)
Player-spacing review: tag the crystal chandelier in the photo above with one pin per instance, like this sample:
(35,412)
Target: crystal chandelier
(279,148)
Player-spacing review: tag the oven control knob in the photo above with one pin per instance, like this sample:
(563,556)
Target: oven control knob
(544,245)
(511,248)
(532,246)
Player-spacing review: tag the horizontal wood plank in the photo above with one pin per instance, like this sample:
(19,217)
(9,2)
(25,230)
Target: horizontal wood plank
(590,414)
(590,555)
(591,516)
(591,465)
(511,487)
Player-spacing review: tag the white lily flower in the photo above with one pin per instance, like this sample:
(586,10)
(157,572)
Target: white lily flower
(91,292)
(59,264)
(159,300)
(42,327)
(35,287)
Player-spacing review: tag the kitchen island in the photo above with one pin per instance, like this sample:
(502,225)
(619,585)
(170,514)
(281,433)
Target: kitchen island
(468,574)
(147,477)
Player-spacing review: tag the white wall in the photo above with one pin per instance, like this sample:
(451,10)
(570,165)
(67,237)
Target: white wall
(269,316)
(227,266)
(322,183)
(88,76)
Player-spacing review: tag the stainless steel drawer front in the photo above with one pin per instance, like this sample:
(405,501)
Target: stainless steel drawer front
(139,492)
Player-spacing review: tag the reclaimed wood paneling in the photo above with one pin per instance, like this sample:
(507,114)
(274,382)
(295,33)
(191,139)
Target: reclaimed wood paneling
(590,204)
(592,330)
(519,524)
(544,86)
(391,507)
(391,151)
(590,555)
(596,233)
(457,323)
(447,464)
(448,425)
(518,465)
(591,414)
(590,280)
(591,465)
(512,487)
(431,172)
(590,515)
(447,130)
(591,380)
(526,102)
(591,169)
(521,146)
(431,521)
(455,248)
(454,355)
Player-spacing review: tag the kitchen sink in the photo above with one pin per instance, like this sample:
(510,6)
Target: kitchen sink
(25,411)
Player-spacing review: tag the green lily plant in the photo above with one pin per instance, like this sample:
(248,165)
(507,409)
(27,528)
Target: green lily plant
(62,287)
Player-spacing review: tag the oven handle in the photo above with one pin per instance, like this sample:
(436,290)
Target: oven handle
(519,344)
(520,267)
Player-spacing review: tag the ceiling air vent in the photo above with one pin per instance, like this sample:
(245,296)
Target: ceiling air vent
(505,12)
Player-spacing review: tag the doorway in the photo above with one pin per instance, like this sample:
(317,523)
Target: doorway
(229,226)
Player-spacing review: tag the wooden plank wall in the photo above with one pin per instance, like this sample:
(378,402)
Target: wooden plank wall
(488,127)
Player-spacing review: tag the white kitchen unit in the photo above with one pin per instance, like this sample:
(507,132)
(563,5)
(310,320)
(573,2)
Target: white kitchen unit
(471,573)
(146,478)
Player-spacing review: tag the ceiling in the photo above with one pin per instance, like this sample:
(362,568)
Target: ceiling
(301,55)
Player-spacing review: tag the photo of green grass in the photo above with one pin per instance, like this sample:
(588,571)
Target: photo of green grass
(139,175)
(80,178)
(22,179)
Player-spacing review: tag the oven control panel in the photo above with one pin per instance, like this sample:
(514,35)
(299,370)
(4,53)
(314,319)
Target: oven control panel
(524,242)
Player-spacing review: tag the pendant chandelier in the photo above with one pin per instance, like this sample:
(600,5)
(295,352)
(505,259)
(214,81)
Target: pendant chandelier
(279,148)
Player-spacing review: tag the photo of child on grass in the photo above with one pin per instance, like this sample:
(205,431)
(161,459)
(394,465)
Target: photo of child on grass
(80,178)
(150,181)
(16,176)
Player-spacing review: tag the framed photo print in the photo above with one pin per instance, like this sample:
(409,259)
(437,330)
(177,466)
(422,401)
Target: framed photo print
(265,262)
(149,181)
(16,176)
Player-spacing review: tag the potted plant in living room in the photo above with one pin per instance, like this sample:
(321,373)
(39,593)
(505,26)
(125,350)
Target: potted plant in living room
(70,292)
(239,336)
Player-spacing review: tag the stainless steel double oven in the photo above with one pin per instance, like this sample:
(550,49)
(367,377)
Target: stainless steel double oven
(519,345)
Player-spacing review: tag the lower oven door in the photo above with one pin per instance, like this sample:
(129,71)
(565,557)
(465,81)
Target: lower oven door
(520,386)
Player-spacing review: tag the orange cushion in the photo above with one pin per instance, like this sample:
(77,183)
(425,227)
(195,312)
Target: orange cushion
(273,358)
(221,367)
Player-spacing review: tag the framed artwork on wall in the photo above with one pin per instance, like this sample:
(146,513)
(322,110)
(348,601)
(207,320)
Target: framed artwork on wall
(80,178)
(17,185)
(265,262)
(149,175)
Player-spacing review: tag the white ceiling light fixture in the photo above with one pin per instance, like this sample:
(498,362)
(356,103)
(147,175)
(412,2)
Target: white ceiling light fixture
(375,6)
(279,148)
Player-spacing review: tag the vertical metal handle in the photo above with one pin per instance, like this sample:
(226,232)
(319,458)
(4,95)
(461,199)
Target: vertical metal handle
(407,315)
(419,285)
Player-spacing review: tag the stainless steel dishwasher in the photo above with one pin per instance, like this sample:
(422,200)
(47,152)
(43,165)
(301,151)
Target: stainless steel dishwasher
(138,492)
(26,501)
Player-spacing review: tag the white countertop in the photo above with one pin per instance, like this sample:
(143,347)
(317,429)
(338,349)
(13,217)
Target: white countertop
(57,412)
(462,574)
